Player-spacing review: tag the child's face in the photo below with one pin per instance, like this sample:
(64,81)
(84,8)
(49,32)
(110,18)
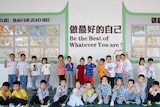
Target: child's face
(60,58)
(89,60)
(44,61)
(34,60)
(43,85)
(118,58)
(78,85)
(23,58)
(150,62)
(119,82)
(108,59)
(101,62)
(122,57)
(63,83)
(104,80)
(12,57)
(16,87)
(142,62)
(5,88)
(69,59)
(130,84)
(156,87)
(140,80)
(82,62)
(88,85)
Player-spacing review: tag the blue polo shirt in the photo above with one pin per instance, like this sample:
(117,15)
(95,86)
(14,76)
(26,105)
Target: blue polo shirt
(89,69)
(69,68)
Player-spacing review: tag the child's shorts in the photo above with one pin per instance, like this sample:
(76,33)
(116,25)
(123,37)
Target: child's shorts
(89,78)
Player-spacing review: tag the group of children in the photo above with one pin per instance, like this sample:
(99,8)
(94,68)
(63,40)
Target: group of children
(110,90)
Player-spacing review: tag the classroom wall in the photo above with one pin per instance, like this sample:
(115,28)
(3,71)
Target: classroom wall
(87,12)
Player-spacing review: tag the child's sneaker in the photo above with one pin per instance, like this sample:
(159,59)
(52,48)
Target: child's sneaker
(100,101)
(157,102)
(144,103)
(90,104)
(19,105)
(30,105)
(63,105)
(112,103)
(1,106)
(132,101)
(85,104)
(11,105)
(149,103)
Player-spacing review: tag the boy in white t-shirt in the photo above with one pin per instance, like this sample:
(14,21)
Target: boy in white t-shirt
(22,71)
(11,69)
(46,71)
(110,67)
(35,72)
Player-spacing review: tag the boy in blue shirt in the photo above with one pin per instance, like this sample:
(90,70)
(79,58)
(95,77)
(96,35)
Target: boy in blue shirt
(69,67)
(89,68)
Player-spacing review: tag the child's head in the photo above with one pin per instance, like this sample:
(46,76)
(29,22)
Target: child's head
(16,85)
(60,57)
(23,57)
(82,61)
(155,85)
(34,59)
(44,60)
(102,61)
(141,61)
(119,81)
(141,78)
(108,58)
(104,79)
(77,84)
(12,56)
(89,59)
(123,56)
(88,85)
(130,83)
(69,59)
(5,86)
(150,61)
(63,82)
(118,57)
(43,84)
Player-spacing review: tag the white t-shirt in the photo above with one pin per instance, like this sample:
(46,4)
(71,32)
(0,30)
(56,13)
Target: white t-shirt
(128,65)
(35,68)
(111,68)
(46,69)
(11,67)
(23,68)
(155,91)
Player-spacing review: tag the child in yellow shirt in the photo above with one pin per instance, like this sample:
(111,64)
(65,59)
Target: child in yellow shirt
(5,93)
(19,95)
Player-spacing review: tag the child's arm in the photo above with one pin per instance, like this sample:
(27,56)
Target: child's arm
(17,72)
(23,96)
(107,72)
(3,95)
(77,74)
(115,88)
(5,63)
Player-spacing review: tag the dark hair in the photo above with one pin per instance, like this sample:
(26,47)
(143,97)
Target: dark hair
(43,81)
(82,58)
(140,59)
(77,81)
(156,83)
(105,77)
(62,79)
(34,57)
(88,82)
(16,83)
(141,75)
(6,84)
(123,54)
(68,57)
(119,78)
(60,56)
(132,80)
(89,57)
(12,54)
(102,59)
(44,59)
(108,56)
(22,55)
(150,59)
